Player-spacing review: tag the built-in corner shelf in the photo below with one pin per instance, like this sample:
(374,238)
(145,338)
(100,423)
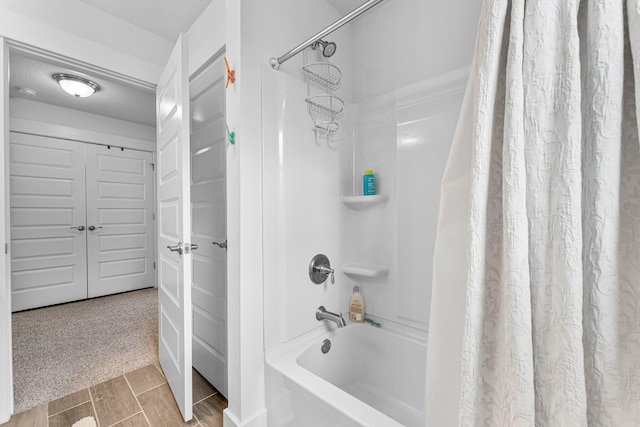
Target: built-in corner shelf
(364,270)
(360,202)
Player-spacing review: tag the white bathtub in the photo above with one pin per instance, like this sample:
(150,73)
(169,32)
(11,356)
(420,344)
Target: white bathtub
(370,377)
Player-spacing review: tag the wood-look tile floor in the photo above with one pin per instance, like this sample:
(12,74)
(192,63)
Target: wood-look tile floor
(139,398)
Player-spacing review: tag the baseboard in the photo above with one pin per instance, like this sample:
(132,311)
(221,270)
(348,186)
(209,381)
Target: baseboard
(229,420)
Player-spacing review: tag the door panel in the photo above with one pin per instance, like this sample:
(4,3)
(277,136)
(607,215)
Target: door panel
(208,201)
(48,257)
(120,202)
(174,226)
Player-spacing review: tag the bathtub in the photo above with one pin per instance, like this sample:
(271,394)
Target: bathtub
(370,377)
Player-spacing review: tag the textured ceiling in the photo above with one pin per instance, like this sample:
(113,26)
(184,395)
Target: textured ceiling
(114,99)
(166,18)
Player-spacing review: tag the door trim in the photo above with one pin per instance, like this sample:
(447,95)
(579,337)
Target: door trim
(80,135)
(6,363)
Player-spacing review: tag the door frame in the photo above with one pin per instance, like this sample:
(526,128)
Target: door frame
(64,132)
(6,361)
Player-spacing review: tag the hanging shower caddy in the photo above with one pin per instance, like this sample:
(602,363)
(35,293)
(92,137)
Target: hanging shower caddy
(325,108)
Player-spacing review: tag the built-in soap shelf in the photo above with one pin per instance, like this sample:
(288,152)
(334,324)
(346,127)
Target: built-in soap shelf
(364,270)
(360,202)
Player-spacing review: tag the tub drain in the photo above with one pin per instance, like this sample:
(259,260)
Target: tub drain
(326,346)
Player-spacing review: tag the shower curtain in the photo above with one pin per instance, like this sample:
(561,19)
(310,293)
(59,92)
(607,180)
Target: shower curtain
(543,328)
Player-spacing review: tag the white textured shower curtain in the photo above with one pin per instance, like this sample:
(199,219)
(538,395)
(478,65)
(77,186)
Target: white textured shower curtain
(544,327)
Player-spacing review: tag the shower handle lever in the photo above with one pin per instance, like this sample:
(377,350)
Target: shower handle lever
(326,271)
(320,269)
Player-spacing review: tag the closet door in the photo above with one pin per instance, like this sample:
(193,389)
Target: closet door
(209,224)
(48,235)
(120,205)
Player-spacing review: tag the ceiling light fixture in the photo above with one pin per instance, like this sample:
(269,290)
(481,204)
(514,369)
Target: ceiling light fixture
(76,86)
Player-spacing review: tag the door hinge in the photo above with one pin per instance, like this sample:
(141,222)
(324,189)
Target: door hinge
(6,248)
(153,216)
(154,265)
(153,166)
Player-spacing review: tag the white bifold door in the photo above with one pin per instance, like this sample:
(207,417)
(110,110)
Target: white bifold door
(81,220)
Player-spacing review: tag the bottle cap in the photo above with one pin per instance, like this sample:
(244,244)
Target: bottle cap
(356,289)
(368,172)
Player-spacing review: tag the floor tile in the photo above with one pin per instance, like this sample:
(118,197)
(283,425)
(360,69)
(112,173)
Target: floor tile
(137,420)
(145,379)
(36,417)
(161,408)
(114,401)
(201,388)
(69,401)
(157,364)
(70,416)
(209,411)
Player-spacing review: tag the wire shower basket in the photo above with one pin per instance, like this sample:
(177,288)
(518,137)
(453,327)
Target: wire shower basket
(325,108)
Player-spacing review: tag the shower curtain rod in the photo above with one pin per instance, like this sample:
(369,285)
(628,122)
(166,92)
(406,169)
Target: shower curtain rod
(276,62)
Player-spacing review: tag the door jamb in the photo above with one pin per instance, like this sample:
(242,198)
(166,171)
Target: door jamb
(7,45)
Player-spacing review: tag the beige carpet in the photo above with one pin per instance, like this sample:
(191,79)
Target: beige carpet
(66,348)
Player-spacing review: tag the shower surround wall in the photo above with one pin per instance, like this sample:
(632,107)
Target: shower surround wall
(302,186)
(404,137)
(401,110)
(408,85)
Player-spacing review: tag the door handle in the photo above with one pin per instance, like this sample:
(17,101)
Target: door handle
(79,228)
(222,245)
(189,247)
(93,227)
(176,248)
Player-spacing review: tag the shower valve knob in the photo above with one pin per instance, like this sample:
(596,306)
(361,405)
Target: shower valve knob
(320,269)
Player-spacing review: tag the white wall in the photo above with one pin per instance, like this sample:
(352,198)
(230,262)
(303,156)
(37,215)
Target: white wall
(29,23)
(409,81)
(301,182)
(38,112)
(403,42)
(405,138)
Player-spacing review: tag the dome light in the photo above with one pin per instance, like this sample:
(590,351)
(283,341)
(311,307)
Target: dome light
(76,86)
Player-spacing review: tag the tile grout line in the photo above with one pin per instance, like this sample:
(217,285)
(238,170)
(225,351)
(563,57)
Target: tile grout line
(130,416)
(149,389)
(137,401)
(152,388)
(70,407)
(205,398)
(93,405)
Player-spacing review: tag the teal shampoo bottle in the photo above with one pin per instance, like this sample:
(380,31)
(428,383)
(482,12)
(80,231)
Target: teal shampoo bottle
(369,183)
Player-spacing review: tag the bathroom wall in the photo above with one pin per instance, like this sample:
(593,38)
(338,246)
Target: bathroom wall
(28,115)
(403,85)
(302,187)
(407,95)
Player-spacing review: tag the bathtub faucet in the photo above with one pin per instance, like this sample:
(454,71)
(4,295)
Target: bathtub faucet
(323,314)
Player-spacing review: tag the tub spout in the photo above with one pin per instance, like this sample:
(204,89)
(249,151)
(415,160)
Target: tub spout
(323,314)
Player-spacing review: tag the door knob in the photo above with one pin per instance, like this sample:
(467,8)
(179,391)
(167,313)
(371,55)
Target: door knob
(222,245)
(189,247)
(93,227)
(176,248)
(79,228)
